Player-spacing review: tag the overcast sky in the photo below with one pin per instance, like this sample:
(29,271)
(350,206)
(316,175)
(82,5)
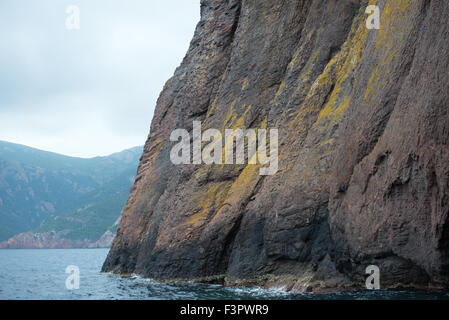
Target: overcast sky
(91,91)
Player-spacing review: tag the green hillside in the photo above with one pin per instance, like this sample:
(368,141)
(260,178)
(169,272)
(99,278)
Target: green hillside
(44,191)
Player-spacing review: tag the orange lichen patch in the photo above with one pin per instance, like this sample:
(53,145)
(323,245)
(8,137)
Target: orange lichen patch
(296,57)
(212,107)
(313,99)
(225,75)
(208,201)
(303,85)
(336,77)
(372,83)
(334,109)
(281,87)
(299,58)
(327,142)
(239,124)
(396,25)
(294,60)
(248,176)
(244,184)
(245,83)
(264,124)
(233,121)
(216,140)
(230,116)
(393,11)
(155,148)
(341,67)
(241,188)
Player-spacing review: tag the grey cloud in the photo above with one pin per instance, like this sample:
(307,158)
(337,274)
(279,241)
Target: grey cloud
(91,91)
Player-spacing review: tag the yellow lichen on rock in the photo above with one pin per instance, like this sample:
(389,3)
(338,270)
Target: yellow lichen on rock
(342,65)
(208,200)
(396,25)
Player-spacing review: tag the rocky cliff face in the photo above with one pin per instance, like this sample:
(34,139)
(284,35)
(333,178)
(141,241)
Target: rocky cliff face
(363,149)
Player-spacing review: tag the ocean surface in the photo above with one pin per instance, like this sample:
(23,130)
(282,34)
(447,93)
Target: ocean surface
(41,274)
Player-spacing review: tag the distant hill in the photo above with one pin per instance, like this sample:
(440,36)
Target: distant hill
(61,201)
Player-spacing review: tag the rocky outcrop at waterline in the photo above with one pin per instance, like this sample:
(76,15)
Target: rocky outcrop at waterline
(363,149)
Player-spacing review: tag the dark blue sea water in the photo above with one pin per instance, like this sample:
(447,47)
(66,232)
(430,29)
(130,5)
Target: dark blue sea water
(40,274)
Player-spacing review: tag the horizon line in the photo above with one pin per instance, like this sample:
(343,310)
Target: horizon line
(66,155)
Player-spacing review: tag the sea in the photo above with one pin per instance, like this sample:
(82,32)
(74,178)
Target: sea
(41,275)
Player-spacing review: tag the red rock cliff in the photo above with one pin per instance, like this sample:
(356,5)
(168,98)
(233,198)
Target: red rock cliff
(363,149)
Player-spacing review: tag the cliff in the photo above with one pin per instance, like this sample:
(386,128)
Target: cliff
(363,150)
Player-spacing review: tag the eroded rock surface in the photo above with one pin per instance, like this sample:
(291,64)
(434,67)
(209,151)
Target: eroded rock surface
(363,150)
